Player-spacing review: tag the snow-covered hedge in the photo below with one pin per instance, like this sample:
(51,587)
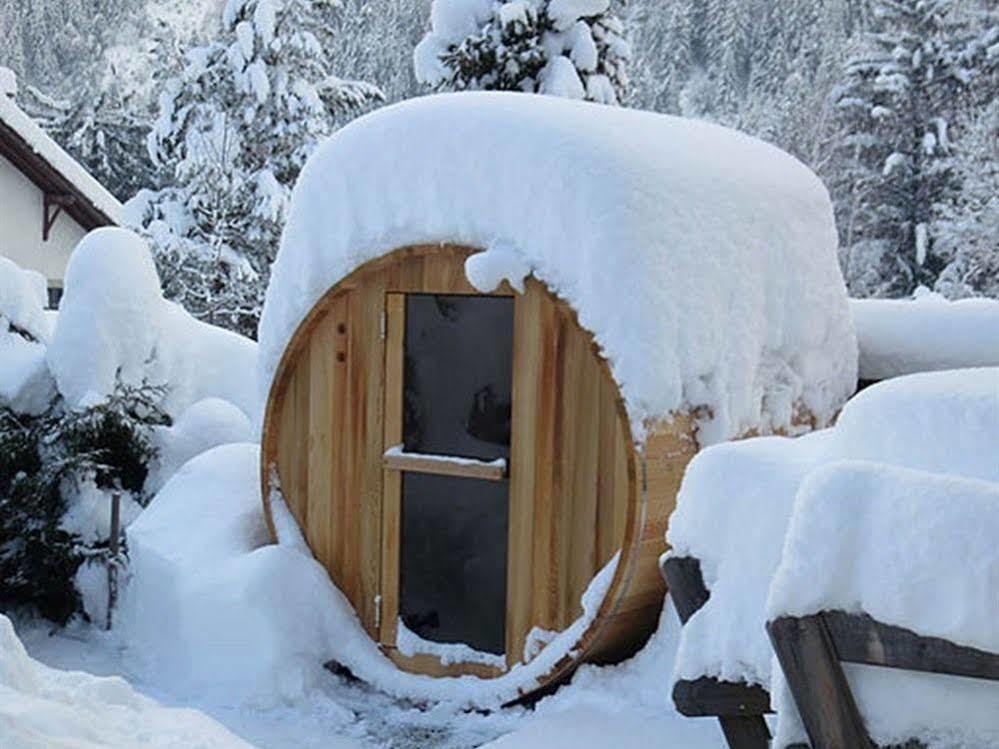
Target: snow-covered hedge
(114,324)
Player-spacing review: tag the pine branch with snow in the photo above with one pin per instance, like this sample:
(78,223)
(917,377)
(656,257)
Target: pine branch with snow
(571,48)
(234,129)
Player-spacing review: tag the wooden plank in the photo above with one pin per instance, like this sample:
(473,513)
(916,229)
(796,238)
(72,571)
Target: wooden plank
(746,733)
(343,505)
(395,328)
(858,638)
(371,355)
(686,585)
(322,375)
(710,697)
(582,420)
(523,456)
(445,465)
(431,665)
(817,683)
(545,492)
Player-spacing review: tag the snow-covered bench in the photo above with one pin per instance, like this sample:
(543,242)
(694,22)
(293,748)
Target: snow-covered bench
(888,567)
(736,503)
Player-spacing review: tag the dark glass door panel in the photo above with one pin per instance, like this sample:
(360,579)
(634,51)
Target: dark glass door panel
(458,375)
(453,560)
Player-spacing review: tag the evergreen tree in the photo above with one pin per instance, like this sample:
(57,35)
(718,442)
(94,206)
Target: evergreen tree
(571,48)
(45,461)
(234,130)
(904,89)
(104,128)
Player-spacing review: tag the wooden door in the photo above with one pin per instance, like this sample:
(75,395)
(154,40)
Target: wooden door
(448,387)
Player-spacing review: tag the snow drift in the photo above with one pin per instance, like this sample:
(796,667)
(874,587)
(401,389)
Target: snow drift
(926,333)
(702,260)
(114,323)
(42,708)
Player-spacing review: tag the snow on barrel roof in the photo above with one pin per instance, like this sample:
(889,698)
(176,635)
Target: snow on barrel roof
(702,260)
(23,138)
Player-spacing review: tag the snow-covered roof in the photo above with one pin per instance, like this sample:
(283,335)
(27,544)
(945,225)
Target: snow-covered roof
(702,260)
(29,147)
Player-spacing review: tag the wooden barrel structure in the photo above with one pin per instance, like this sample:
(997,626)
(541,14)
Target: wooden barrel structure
(462,465)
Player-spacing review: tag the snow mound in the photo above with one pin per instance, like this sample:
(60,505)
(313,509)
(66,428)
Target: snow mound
(25,383)
(913,549)
(208,423)
(114,322)
(23,298)
(211,609)
(43,708)
(702,260)
(902,336)
(737,499)
(946,422)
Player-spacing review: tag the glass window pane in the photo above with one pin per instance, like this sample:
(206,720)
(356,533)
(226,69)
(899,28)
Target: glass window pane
(458,374)
(453,560)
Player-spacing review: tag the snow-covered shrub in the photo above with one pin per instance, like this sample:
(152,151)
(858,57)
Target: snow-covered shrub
(114,324)
(46,462)
(234,129)
(571,48)
(88,409)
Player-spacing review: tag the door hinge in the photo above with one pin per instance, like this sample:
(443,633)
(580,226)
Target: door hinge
(378,612)
(383,325)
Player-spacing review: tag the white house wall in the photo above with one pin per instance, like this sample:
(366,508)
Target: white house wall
(21,220)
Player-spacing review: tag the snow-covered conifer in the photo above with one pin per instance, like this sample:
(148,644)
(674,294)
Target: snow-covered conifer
(234,130)
(906,86)
(571,48)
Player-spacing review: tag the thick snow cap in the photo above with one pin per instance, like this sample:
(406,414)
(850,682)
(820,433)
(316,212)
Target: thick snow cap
(702,260)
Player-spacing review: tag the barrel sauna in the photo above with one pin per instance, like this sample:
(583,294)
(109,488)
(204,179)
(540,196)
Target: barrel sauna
(462,465)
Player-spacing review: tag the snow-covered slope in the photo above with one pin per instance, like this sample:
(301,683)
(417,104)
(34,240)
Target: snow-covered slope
(43,708)
(702,260)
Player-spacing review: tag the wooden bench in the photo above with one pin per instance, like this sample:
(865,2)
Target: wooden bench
(811,650)
(738,706)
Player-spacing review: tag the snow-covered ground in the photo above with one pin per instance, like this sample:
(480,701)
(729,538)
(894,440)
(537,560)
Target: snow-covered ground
(622,706)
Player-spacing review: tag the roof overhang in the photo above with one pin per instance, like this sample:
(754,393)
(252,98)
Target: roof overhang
(77,202)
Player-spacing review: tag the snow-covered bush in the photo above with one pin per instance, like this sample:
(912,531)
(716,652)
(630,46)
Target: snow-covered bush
(48,464)
(90,408)
(234,129)
(571,48)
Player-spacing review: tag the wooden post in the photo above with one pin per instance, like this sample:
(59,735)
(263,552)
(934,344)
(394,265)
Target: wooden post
(739,707)
(817,682)
(113,551)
